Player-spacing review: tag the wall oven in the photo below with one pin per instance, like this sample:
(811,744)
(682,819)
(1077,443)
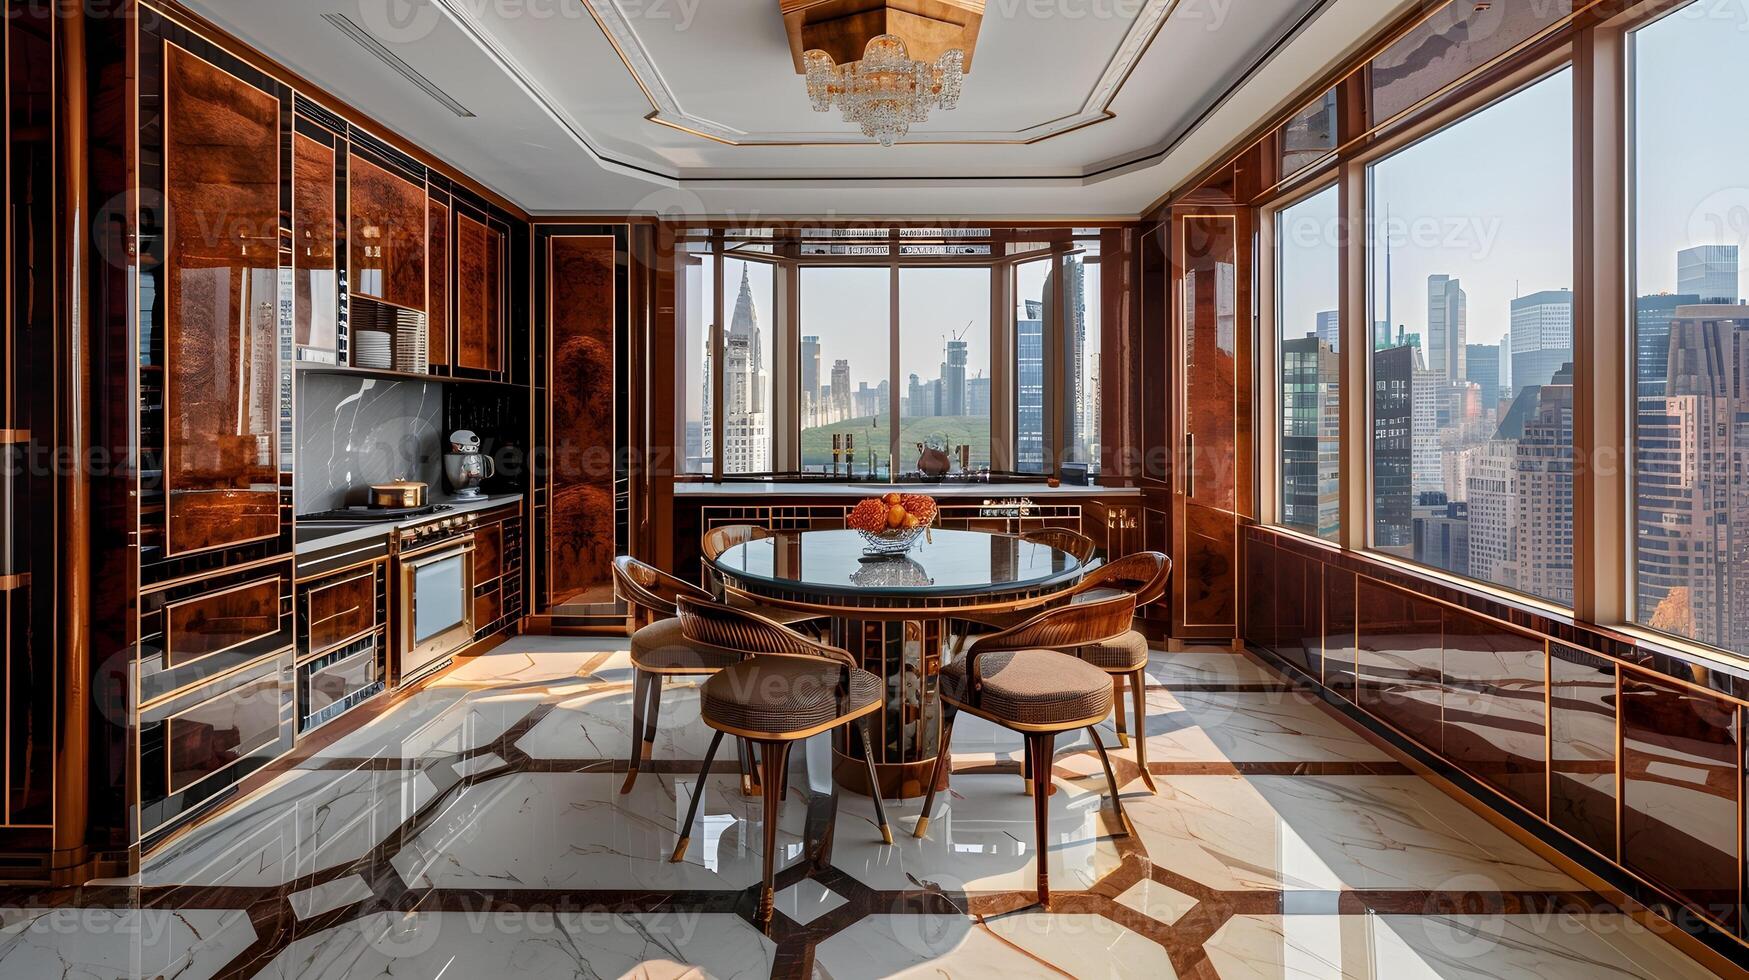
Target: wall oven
(435,600)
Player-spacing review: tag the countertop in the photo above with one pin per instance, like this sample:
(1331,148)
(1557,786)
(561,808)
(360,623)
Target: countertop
(318,537)
(976,491)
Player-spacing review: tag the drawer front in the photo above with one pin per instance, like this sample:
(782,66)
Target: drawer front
(215,734)
(193,632)
(488,552)
(221,621)
(340,610)
(486,610)
(335,684)
(196,745)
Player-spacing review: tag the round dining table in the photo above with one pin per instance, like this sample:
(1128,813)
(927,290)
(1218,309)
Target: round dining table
(896,615)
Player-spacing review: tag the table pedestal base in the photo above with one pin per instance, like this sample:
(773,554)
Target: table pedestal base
(906,733)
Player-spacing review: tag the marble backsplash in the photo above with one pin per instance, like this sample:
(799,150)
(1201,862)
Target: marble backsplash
(353,432)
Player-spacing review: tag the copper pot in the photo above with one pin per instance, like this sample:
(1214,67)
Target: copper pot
(400,494)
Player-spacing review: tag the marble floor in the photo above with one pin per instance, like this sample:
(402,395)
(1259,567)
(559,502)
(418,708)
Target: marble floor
(475,831)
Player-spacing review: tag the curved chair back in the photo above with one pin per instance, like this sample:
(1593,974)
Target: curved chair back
(721,539)
(1063,539)
(713,623)
(1143,575)
(651,590)
(1065,627)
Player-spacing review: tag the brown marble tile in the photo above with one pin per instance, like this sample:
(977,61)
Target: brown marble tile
(1582,733)
(1494,709)
(1398,662)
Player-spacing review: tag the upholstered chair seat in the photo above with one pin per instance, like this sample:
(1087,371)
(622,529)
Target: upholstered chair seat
(1035,687)
(784,695)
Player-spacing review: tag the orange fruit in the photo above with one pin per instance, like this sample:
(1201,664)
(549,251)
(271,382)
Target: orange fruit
(895,516)
(911,520)
(893,499)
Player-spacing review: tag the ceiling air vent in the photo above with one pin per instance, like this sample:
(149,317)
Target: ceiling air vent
(369,42)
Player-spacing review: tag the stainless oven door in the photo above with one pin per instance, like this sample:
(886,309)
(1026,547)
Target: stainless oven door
(437,605)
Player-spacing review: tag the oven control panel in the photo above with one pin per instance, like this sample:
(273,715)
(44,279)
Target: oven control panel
(438,530)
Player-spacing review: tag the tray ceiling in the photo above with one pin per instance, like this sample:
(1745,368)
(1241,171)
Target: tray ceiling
(617,106)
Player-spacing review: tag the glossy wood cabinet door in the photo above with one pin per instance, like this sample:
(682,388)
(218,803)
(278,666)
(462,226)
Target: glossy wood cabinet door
(437,333)
(386,234)
(221,357)
(315,278)
(479,294)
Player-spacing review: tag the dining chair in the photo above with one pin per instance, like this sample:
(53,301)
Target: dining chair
(720,539)
(1124,658)
(661,649)
(786,689)
(1018,679)
(1063,539)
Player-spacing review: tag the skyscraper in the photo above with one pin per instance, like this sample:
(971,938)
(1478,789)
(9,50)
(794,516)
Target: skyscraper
(1330,329)
(1692,549)
(1447,327)
(839,407)
(1029,384)
(1482,364)
(1542,336)
(953,379)
(1544,467)
(810,392)
(746,436)
(1708,271)
(1393,413)
(1311,423)
(1652,316)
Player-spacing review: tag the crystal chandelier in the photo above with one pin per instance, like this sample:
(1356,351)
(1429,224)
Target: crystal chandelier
(886,91)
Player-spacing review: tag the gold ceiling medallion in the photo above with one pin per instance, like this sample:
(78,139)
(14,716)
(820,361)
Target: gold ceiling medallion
(884,63)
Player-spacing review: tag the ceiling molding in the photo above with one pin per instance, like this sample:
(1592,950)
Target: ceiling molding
(666,109)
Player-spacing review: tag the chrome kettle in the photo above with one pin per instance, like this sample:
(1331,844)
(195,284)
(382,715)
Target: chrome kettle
(466,466)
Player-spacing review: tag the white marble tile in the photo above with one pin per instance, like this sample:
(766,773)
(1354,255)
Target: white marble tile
(1203,667)
(1162,903)
(466,945)
(301,823)
(1223,726)
(477,764)
(807,900)
(526,661)
(1329,832)
(574,830)
(1084,945)
(598,725)
(920,946)
(436,722)
(99,944)
(327,897)
(980,838)
(1399,947)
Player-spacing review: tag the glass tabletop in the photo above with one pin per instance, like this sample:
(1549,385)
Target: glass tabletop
(958,563)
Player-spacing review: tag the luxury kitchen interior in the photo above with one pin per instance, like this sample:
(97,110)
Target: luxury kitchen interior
(866,488)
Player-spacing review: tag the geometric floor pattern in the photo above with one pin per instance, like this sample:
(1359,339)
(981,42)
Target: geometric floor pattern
(475,830)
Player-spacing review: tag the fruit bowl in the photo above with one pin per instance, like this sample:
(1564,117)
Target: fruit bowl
(890,525)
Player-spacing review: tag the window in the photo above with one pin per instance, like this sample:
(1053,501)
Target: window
(747,363)
(1472,311)
(1691,447)
(696,281)
(1085,310)
(845,397)
(1033,305)
(1309,337)
(944,358)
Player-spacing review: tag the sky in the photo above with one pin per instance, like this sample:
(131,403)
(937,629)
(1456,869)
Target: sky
(1489,199)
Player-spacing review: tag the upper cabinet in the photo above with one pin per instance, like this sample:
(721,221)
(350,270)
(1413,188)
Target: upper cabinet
(437,335)
(479,294)
(315,279)
(220,275)
(387,232)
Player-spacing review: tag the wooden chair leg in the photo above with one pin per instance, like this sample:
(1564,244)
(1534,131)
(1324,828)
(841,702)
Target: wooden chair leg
(773,759)
(749,768)
(640,698)
(1043,755)
(1139,691)
(1026,768)
(704,773)
(859,731)
(1123,738)
(935,771)
(1123,819)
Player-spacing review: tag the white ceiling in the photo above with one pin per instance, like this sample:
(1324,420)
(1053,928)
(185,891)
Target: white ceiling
(1074,108)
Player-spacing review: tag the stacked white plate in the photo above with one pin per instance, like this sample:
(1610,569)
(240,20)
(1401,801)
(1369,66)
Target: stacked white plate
(373,349)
